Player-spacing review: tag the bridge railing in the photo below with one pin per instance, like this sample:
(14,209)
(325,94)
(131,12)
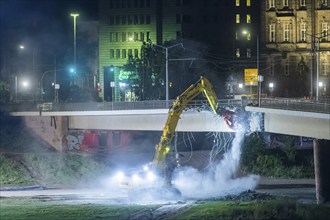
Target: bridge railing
(296,104)
(108,106)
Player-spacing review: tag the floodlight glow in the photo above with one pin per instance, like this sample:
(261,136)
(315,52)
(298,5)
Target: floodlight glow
(320,84)
(240,85)
(151,176)
(120,175)
(271,85)
(25,84)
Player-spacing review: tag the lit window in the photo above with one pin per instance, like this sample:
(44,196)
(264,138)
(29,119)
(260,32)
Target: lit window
(303,32)
(248,18)
(237,19)
(324,2)
(325,29)
(236,36)
(237,2)
(248,53)
(272,33)
(248,36)
(271,3)
(248,2)
(302,3)
(324,69)
(286,33)
(238,53)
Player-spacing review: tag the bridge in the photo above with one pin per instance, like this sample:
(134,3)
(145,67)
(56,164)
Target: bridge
(296,117)
(281,116)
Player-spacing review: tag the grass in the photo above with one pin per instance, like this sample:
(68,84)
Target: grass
(31,209)
(12,173)
(281,208)
(270,209)
(49,169)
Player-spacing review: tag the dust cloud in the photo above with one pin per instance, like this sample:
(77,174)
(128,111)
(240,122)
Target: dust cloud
(219,180)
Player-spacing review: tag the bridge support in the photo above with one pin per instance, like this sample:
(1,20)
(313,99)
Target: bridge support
(322,168)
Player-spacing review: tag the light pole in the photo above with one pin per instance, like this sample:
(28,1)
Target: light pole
(316,48)
(260,78)
(166,68)
(74,15)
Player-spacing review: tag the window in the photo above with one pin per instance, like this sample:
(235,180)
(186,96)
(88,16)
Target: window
(303,32)
(325,29)
(248,18)
(237,19)
(324,68)
(123,36)
(136,19)
(302,3)
(286,33)
(117,20)
(248,3)
(271,3)
(118,54)
(148,35)
(238,53)
(116,37)
(148,3)
(237,2)
(123,19)
(248,53)
(130,52)
(111,20)
(113,37)
(129,19)
(123,52)
(141,36)
(285,3)
(136,36)
(112,53)
(272,33)
(136,53)
(148,19)
(141,19)
(324,2)
(287,68)
(248,36)
(130,37)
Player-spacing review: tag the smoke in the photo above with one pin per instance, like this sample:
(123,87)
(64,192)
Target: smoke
(218,180)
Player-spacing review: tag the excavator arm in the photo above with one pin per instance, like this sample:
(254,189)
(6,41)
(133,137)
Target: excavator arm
(164,146)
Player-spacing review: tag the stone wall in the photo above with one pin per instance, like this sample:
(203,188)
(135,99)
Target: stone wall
(51,129)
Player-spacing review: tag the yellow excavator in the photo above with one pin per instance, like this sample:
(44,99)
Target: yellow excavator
(164,146)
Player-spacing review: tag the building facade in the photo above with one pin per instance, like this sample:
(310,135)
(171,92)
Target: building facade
(216,25)
(296,36)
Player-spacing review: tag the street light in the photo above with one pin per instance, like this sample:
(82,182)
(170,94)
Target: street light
(166,67)
(74,15)
(260,78)
(271,88)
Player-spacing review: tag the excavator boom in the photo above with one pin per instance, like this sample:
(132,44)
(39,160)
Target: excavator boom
(164,146)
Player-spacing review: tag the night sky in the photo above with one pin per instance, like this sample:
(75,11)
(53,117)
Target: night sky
(42,23)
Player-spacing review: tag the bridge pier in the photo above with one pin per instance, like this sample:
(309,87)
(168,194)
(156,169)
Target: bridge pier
(322,170)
